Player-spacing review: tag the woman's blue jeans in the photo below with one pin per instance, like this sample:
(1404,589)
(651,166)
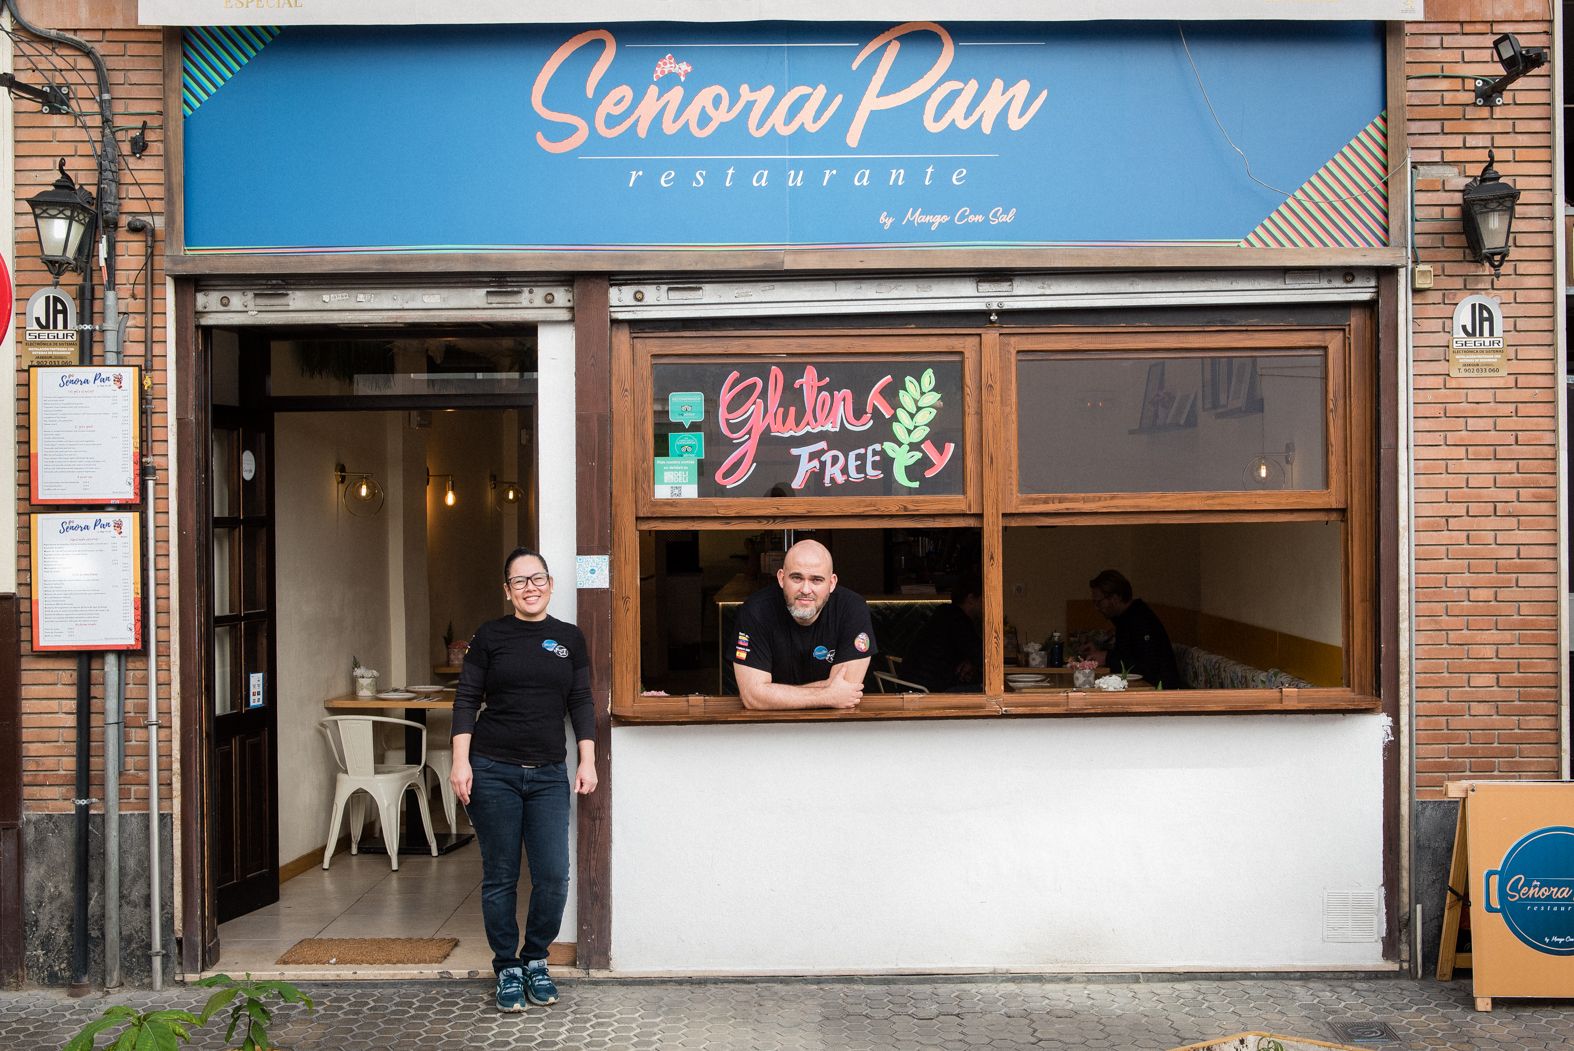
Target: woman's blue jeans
(513,807)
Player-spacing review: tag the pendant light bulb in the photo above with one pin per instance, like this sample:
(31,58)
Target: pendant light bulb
(448,495)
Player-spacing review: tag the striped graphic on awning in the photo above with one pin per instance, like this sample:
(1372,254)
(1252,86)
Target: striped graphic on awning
(1343,205)
(212,55)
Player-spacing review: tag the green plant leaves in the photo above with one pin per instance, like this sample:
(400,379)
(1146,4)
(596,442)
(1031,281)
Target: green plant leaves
(166,1030)
(163,1030)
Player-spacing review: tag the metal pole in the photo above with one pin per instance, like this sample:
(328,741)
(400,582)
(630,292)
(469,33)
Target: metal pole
(139,225)
(114,699)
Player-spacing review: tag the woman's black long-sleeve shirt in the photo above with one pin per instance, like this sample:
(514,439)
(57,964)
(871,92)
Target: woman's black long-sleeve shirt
(529,673)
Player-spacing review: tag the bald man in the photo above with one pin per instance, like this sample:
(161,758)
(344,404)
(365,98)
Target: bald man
(805,644)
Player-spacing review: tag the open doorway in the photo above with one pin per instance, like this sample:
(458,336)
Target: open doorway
(361,517)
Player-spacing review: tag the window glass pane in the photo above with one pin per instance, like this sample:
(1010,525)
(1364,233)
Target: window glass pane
(692,583)
(224,367)
(255,582)
(407,365)
(225,600)
(831,426)
(226,697)
(256,634)
(226,482)
(1095,422)
(254,474)
(1245,605)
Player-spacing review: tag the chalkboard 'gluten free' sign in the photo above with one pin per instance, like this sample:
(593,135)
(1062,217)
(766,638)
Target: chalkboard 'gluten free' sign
(842,426)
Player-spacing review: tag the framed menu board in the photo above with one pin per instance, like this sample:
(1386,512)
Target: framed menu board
(87,581)
(86,445)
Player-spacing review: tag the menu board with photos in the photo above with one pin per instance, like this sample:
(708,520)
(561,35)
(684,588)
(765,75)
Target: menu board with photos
(87,581)
(86,446)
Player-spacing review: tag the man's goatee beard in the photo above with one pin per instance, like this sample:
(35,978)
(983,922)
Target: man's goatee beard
(802,616)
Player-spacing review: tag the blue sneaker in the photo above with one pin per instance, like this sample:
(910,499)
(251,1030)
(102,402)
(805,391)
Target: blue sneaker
(538,984)
(511,990)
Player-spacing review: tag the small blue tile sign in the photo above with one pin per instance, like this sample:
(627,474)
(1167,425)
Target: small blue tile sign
(592,571)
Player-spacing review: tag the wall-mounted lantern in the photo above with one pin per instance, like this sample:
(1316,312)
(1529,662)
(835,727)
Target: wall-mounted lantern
(1488,215)
(65,215)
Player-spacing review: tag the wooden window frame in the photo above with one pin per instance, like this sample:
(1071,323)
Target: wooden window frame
(1170,343)
(991,503)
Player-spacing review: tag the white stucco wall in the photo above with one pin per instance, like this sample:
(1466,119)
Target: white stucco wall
(1163,843)
(332,590)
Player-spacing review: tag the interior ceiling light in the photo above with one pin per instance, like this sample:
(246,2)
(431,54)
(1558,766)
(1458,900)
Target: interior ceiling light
(450,498)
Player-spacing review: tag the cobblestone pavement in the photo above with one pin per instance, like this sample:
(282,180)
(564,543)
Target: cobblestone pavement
(849,1014)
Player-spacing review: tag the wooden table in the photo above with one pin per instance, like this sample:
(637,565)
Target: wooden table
(415,709)
(1060,679)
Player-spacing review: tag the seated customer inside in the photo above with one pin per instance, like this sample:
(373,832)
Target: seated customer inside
(805,643)
(948,655)
(1141,644)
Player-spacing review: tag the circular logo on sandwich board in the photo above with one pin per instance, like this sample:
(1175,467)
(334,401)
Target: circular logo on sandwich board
(1534,890)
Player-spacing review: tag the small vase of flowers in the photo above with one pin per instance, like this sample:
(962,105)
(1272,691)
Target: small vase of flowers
(365,678)
(1082,673)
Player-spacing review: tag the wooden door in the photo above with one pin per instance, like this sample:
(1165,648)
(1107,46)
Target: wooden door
(244,823)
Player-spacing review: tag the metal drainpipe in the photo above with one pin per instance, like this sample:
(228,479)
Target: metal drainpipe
(114,709)
(1406,737)
(139,225)
(82,800)
(114,693)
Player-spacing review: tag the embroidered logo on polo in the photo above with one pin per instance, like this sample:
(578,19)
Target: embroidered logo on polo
(1534,890)
(742,652)
(823,654)
(554,647)
(861,643)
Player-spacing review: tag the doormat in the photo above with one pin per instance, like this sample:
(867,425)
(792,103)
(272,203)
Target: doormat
(369,950)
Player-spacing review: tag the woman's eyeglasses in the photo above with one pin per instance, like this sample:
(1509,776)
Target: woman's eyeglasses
(539,581)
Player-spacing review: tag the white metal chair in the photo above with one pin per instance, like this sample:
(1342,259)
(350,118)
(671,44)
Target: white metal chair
(439,764)
(899,685)
(352,740)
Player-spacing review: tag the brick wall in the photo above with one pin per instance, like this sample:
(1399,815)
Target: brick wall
(134,58)
(1486,457)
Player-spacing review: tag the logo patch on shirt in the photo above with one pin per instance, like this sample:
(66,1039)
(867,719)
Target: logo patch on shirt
(741,655)
(861,643)
(552,646)
(823,654)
